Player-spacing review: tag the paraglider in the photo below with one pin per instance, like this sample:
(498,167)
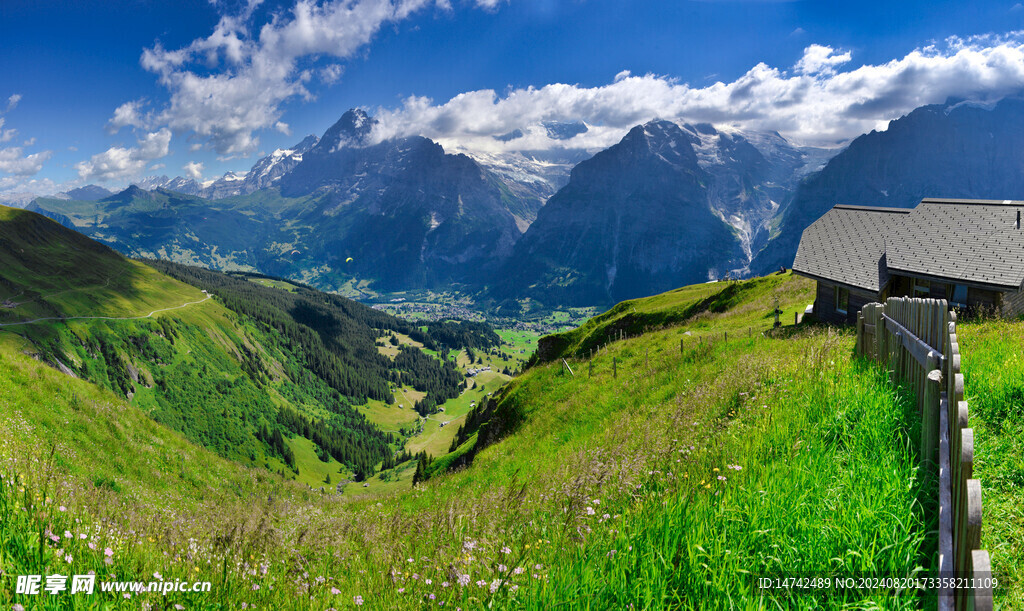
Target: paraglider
(348,260)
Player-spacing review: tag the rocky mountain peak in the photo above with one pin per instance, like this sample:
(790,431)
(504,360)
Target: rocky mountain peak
(352,129)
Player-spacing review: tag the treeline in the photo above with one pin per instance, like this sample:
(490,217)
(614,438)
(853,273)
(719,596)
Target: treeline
(491,420)
(441,381)
(359,445)
(455,334)
(334,336)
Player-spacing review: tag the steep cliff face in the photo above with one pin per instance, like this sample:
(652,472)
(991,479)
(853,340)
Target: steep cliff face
(668,205)
(407,213)
(954,150)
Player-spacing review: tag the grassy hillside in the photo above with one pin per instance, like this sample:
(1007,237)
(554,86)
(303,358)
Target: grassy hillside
(994,390)
(263,375)
(671,483)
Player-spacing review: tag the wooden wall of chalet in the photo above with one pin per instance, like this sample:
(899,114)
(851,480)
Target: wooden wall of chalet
(1007,304)
(825,304)
(1012,304)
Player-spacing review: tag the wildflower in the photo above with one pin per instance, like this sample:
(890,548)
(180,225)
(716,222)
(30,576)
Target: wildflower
(335,591)
(109,553)
(178,607)
(506,550)
(469,546)
(432,596)
(502,568)
(62,508)
(463,580)
(17,607)
(611,554)
(409,560)
(427,581)
(245,605)
(415,576)
(108,561)
(127,595)
(596,502)
(590,511)
(83,536)
(495,585)
(68,558)
(721,478)
(539,567)
(518,570)
(358,600)
(92,545)
(158,576)
(54,538)
(400,590)
(481,583)
(255,587)
(445,584)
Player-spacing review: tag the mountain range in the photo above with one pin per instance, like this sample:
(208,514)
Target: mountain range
(669,204)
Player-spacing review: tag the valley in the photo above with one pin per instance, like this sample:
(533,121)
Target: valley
(569,469)
(682,444)
(330,305)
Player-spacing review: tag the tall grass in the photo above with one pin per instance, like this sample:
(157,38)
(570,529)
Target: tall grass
(992,353)
(608,496)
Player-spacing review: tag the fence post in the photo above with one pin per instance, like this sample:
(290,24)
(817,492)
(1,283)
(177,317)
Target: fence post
(981,569)
(615,371)
(930,424)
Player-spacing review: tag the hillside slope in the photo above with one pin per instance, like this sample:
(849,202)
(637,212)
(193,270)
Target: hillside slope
(261,375)
(671,479)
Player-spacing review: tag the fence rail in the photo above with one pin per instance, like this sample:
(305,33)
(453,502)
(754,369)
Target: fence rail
(916,340)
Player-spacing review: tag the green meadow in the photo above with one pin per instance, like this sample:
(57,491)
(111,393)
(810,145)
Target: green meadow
(713,453)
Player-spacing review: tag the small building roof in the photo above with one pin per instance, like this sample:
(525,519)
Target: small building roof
(974,241)
(847,245)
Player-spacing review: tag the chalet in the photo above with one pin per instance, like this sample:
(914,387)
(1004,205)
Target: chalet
(968,252)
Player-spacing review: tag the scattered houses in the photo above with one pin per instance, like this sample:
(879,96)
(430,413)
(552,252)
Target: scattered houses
(968,252)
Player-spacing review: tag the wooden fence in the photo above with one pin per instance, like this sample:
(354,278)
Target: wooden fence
(916,340)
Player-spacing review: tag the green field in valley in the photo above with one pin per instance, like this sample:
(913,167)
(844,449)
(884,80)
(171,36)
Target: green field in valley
(667,484)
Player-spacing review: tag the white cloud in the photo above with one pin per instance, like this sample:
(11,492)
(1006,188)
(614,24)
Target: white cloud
(193,170)
(818,101)
(231,84)
(121,163)
(22,191)
(155,145)
(115,163)
(331,73)
(819,59)
(6,134)
(128,114)
(14,161)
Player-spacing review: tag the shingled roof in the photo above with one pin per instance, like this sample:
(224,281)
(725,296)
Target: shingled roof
(974,241)
(847,245)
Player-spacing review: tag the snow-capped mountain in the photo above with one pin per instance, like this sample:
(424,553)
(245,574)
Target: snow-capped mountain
(271,168)
(264,173)
(533,176)
(668,205)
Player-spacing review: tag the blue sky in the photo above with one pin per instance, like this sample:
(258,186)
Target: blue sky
(110,91)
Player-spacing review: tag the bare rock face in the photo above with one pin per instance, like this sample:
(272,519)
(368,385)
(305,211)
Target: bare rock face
(408,213)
